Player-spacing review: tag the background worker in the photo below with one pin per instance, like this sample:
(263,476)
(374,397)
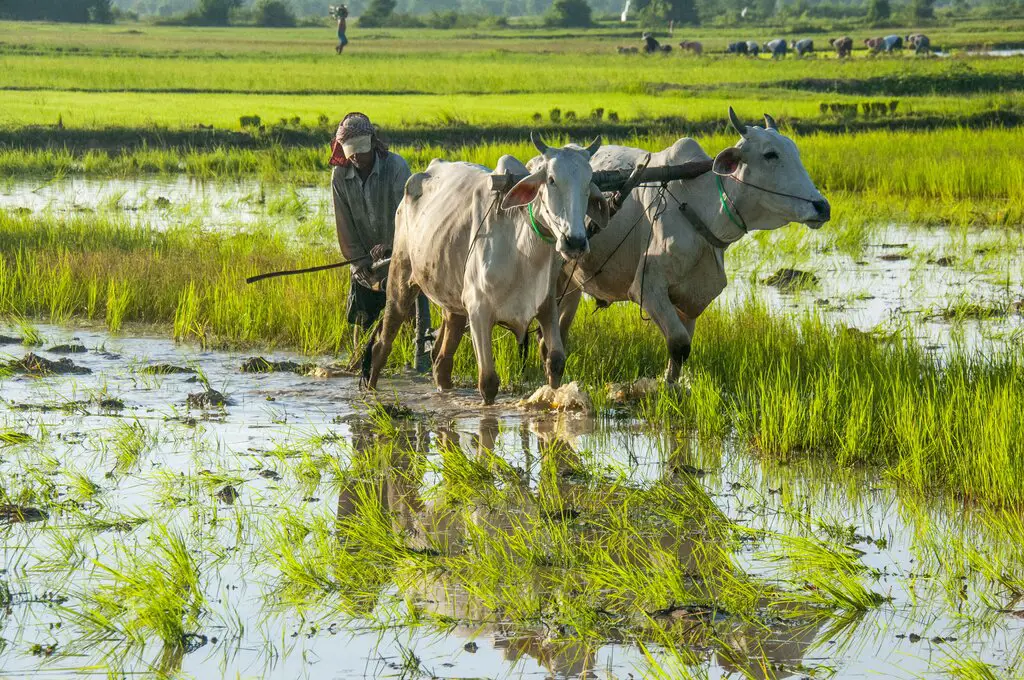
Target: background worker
(367,185)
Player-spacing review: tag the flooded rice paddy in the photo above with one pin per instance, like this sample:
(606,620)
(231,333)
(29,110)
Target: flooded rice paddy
(106,472)
(166,513)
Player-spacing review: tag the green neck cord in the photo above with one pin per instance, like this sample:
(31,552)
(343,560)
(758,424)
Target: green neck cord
(725,204)
(536,230)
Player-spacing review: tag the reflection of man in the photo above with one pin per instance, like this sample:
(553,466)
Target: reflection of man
(367,185)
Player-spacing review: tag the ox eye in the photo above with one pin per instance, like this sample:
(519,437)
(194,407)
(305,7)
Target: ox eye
(551,180)
(771,156)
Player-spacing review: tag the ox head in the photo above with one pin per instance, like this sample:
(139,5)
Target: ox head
(769,164)
(562,194)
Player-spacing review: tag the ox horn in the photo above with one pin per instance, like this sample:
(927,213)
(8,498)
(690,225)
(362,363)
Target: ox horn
(537,142)
(734,119)
(769,123)
(594,146)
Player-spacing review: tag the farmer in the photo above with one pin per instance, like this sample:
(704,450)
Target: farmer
(341,13)
(368,183)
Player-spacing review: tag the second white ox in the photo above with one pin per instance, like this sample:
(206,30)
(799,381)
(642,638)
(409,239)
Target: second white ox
(673,265)
(486,264)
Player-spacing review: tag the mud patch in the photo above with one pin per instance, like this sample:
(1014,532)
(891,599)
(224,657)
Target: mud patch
(72,348)
(167,369)
(261,365)
(16,514)
(33,364)
(207,399)
(791,279)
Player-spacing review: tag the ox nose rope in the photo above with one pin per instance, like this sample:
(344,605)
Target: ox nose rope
(760,188)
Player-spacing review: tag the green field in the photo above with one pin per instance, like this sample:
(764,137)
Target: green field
(835,490)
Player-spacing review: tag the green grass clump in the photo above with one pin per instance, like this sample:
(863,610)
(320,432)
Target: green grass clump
(150,595)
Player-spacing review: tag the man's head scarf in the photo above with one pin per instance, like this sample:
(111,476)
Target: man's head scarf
(355,125)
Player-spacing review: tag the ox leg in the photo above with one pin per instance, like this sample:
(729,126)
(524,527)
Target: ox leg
(481,329)
(677,333)
(454,327)
(553,350)
(401,301)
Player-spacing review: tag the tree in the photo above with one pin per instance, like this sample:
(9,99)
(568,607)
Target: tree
(879,10)
(569,14)
(274,13)
(101,12)
(377,13)
(924,9)
(215,12)
(657,13)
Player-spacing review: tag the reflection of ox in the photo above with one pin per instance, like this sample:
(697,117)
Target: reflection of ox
(485,524)
(843,46)
(692,46)
(486,264)
(666,253)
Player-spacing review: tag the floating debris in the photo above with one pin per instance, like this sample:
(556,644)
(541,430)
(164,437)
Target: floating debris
(33,364)
(111,403)
(191,642)
(894,257)
(72,348)
(566,398)
(207,399)
(791,279)
(162,202)
(270,474)
(13,514)
(470,647)
(228,495)
(166,369)
(944,261)
(10,340)
(261,365)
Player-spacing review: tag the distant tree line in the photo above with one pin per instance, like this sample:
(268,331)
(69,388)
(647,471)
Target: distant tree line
(460,13)
(77,11)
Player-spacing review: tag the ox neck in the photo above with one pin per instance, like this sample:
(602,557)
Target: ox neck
(536,230)
(716,217)
(728,208)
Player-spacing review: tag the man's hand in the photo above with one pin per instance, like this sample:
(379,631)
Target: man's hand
(379,252)
(363,274)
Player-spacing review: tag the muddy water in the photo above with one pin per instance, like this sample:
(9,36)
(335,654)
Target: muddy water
(936,611)
(165,201)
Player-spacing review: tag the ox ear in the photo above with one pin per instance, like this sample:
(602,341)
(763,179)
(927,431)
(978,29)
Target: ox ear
(597,208)
(525,190)
(727,161)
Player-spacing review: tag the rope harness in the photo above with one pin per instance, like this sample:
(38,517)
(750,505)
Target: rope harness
(536,229)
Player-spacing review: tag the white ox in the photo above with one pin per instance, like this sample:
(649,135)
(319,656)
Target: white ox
(676,272)
(487,264)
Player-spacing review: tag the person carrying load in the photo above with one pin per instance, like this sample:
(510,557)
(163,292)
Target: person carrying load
(367,185)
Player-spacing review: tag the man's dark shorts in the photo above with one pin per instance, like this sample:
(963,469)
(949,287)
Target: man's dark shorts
(364,305)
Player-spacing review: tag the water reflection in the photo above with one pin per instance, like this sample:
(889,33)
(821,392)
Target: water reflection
(554,487)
